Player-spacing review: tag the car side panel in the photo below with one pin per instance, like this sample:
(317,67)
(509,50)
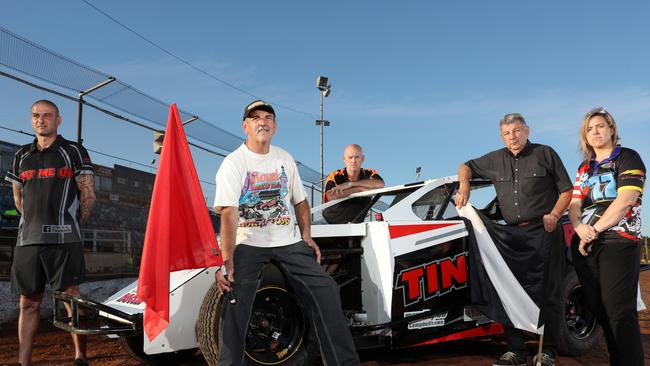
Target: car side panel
(430,276)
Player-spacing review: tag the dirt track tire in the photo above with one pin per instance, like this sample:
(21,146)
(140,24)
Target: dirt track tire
(303,349)
(580,332)
(133,345)
(207,325)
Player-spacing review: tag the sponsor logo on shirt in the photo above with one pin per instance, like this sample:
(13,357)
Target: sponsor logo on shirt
(44,173)
(57,229)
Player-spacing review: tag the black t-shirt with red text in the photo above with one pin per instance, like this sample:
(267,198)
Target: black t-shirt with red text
(50,196)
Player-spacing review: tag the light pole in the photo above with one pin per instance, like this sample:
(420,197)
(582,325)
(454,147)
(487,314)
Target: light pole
(322,83)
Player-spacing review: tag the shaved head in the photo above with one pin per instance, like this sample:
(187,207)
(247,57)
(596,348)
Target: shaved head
(352,147)
(48,103)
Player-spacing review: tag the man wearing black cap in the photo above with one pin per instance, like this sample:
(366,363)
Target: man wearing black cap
(256,184)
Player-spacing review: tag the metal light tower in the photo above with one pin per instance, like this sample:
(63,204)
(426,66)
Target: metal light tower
(322,83)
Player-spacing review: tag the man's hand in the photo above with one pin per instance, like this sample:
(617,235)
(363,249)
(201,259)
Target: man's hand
(550,222)
(312,244)
(224,281)
(584,248)
(464,176)
(339,191)
(304,224)
(462,196)
(587,233)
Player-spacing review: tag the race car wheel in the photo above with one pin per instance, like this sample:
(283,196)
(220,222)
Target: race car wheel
(207,325)
(580,332)
(277,327)
(133,345)
(278,332)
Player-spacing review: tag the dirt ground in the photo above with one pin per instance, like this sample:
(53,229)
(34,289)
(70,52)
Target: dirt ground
(54,347)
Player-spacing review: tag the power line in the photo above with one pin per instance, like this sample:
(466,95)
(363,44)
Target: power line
(211,76)
(17,131)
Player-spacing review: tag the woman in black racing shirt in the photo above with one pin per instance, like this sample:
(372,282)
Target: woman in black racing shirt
(605,213)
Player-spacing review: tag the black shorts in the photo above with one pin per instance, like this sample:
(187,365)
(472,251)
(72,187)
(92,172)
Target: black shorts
(60,265)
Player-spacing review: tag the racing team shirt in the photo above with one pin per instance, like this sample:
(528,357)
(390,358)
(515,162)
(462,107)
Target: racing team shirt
(598,183)
(49,191)
(340,176)
(527,184)
(347,210)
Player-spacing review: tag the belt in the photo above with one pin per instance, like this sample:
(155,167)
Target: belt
(529,222)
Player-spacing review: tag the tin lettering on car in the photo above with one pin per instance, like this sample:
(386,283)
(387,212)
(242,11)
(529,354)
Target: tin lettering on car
(432,279)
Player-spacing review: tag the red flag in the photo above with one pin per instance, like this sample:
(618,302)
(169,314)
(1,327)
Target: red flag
(179,232)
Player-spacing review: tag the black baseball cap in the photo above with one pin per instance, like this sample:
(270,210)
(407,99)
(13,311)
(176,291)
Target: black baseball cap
(258,105)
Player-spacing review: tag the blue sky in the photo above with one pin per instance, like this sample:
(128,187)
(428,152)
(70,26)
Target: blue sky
(416,83)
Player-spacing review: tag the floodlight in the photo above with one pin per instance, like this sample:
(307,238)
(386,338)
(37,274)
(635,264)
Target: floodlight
(321,83)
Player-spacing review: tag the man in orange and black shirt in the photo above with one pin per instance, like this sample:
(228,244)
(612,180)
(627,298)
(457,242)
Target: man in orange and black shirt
(351,179)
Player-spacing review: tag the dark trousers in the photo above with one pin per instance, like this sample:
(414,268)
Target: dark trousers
(551,311)
(609,276)
(317,290)
(543,276)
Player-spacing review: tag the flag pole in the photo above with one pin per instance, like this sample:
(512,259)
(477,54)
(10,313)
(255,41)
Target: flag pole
(539,350)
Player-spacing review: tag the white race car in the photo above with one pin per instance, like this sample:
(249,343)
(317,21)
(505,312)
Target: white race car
(402,269)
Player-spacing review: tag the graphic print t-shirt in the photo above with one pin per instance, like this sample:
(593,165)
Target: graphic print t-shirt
(598,185)
(263,187)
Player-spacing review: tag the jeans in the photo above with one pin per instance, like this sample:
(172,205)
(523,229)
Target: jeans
(311,284)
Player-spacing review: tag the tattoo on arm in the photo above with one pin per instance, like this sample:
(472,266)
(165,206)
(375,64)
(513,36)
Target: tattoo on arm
(18,196)
(85,184)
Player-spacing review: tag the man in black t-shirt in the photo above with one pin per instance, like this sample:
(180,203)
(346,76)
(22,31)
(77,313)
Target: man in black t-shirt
(351,179)
(53,189)
(533,190)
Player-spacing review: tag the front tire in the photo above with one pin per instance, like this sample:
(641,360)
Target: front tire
(278,331)
(580,332)
(207,325)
